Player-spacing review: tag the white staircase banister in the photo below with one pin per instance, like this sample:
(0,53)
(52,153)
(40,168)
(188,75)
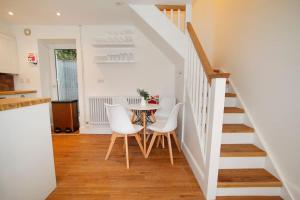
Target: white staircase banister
(205,92)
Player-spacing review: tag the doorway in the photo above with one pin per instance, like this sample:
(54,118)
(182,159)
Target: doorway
(58,72)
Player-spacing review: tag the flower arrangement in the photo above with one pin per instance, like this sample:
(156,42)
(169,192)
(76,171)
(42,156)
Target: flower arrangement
(143,94)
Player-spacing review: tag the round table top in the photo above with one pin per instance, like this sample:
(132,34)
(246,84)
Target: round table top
(146,107)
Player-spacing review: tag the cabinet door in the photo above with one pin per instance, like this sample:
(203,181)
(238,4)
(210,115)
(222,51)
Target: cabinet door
(8,55)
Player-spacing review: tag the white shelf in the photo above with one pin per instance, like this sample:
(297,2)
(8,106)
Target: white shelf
(116,58)
(115,62)
(112,45)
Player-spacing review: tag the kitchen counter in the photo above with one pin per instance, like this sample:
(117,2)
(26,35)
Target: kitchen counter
(26,152)
(13,92)
(12,103)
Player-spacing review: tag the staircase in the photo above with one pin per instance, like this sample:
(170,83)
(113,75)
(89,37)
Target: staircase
(230,163)
(241,170)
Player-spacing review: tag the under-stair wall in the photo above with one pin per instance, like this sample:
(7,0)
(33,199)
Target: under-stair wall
(163,33)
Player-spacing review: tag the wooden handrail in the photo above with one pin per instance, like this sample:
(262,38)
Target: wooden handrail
(210,73)
(171,7)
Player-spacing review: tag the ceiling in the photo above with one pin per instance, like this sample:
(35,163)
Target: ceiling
(73,12)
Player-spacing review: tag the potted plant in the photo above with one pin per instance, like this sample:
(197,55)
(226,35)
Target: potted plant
(144,94)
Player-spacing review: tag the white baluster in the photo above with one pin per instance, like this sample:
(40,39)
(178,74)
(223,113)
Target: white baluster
(188,67)
(204,108)
(179,19)
(192,77)
(172,15)
(195,78)
(165,12)
(201,97)
(197,90)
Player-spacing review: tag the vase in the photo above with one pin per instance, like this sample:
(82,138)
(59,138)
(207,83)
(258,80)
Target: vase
(143,102)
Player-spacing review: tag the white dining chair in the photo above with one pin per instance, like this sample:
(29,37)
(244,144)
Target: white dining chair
(166,128)
(166,104)
(122,127)
(123,101)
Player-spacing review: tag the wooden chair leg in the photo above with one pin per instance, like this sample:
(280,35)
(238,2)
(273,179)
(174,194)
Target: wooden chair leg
(151,144)
(176,141)
(126,149)
(139,141)
(170,148)
(152,117)
(133,117)
(147,137)
(163,141)
(158,141)
(112,142)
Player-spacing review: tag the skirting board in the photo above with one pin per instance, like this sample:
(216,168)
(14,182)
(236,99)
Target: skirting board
(198,173)
(95,130)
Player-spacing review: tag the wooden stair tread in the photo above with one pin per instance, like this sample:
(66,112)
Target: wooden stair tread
(241,150)
(246,178)
(229,94)
(233,110)
(237,128)
(249,198)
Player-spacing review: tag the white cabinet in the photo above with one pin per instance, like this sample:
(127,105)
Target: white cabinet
(8,55)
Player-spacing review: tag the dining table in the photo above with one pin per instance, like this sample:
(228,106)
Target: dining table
(143,109)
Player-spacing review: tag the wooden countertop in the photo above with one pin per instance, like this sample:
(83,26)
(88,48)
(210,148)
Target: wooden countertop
(12,103)
(17,92)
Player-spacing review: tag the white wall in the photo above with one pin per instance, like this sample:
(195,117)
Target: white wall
(29,76)
(258,43)
(152,71)
(203,24)
(149,72)
(5,28)
(45,70)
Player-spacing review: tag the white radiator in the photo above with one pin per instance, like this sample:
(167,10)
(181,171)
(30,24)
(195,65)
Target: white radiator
(97,112)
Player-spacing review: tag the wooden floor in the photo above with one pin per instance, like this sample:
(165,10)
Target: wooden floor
(83,174)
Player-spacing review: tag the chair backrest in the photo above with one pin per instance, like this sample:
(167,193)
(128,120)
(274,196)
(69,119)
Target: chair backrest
(120,100)
(172,119)
(166,104)
(118,119)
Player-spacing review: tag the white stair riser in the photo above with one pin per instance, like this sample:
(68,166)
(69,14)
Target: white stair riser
(237,138)
(242,162)
(233,118)
(230,102)
(227,88)
(252,191)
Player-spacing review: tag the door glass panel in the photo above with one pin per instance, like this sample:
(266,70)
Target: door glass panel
(66,74)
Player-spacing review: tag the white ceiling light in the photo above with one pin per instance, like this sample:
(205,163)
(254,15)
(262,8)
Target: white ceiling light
(58,14)
(11,13)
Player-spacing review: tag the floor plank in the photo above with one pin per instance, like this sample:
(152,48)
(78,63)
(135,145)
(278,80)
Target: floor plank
(82,172)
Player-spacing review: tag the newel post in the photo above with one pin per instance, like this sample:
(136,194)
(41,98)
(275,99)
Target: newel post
(214,134)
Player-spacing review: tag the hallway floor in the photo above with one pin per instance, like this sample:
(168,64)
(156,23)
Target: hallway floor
(82,173)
